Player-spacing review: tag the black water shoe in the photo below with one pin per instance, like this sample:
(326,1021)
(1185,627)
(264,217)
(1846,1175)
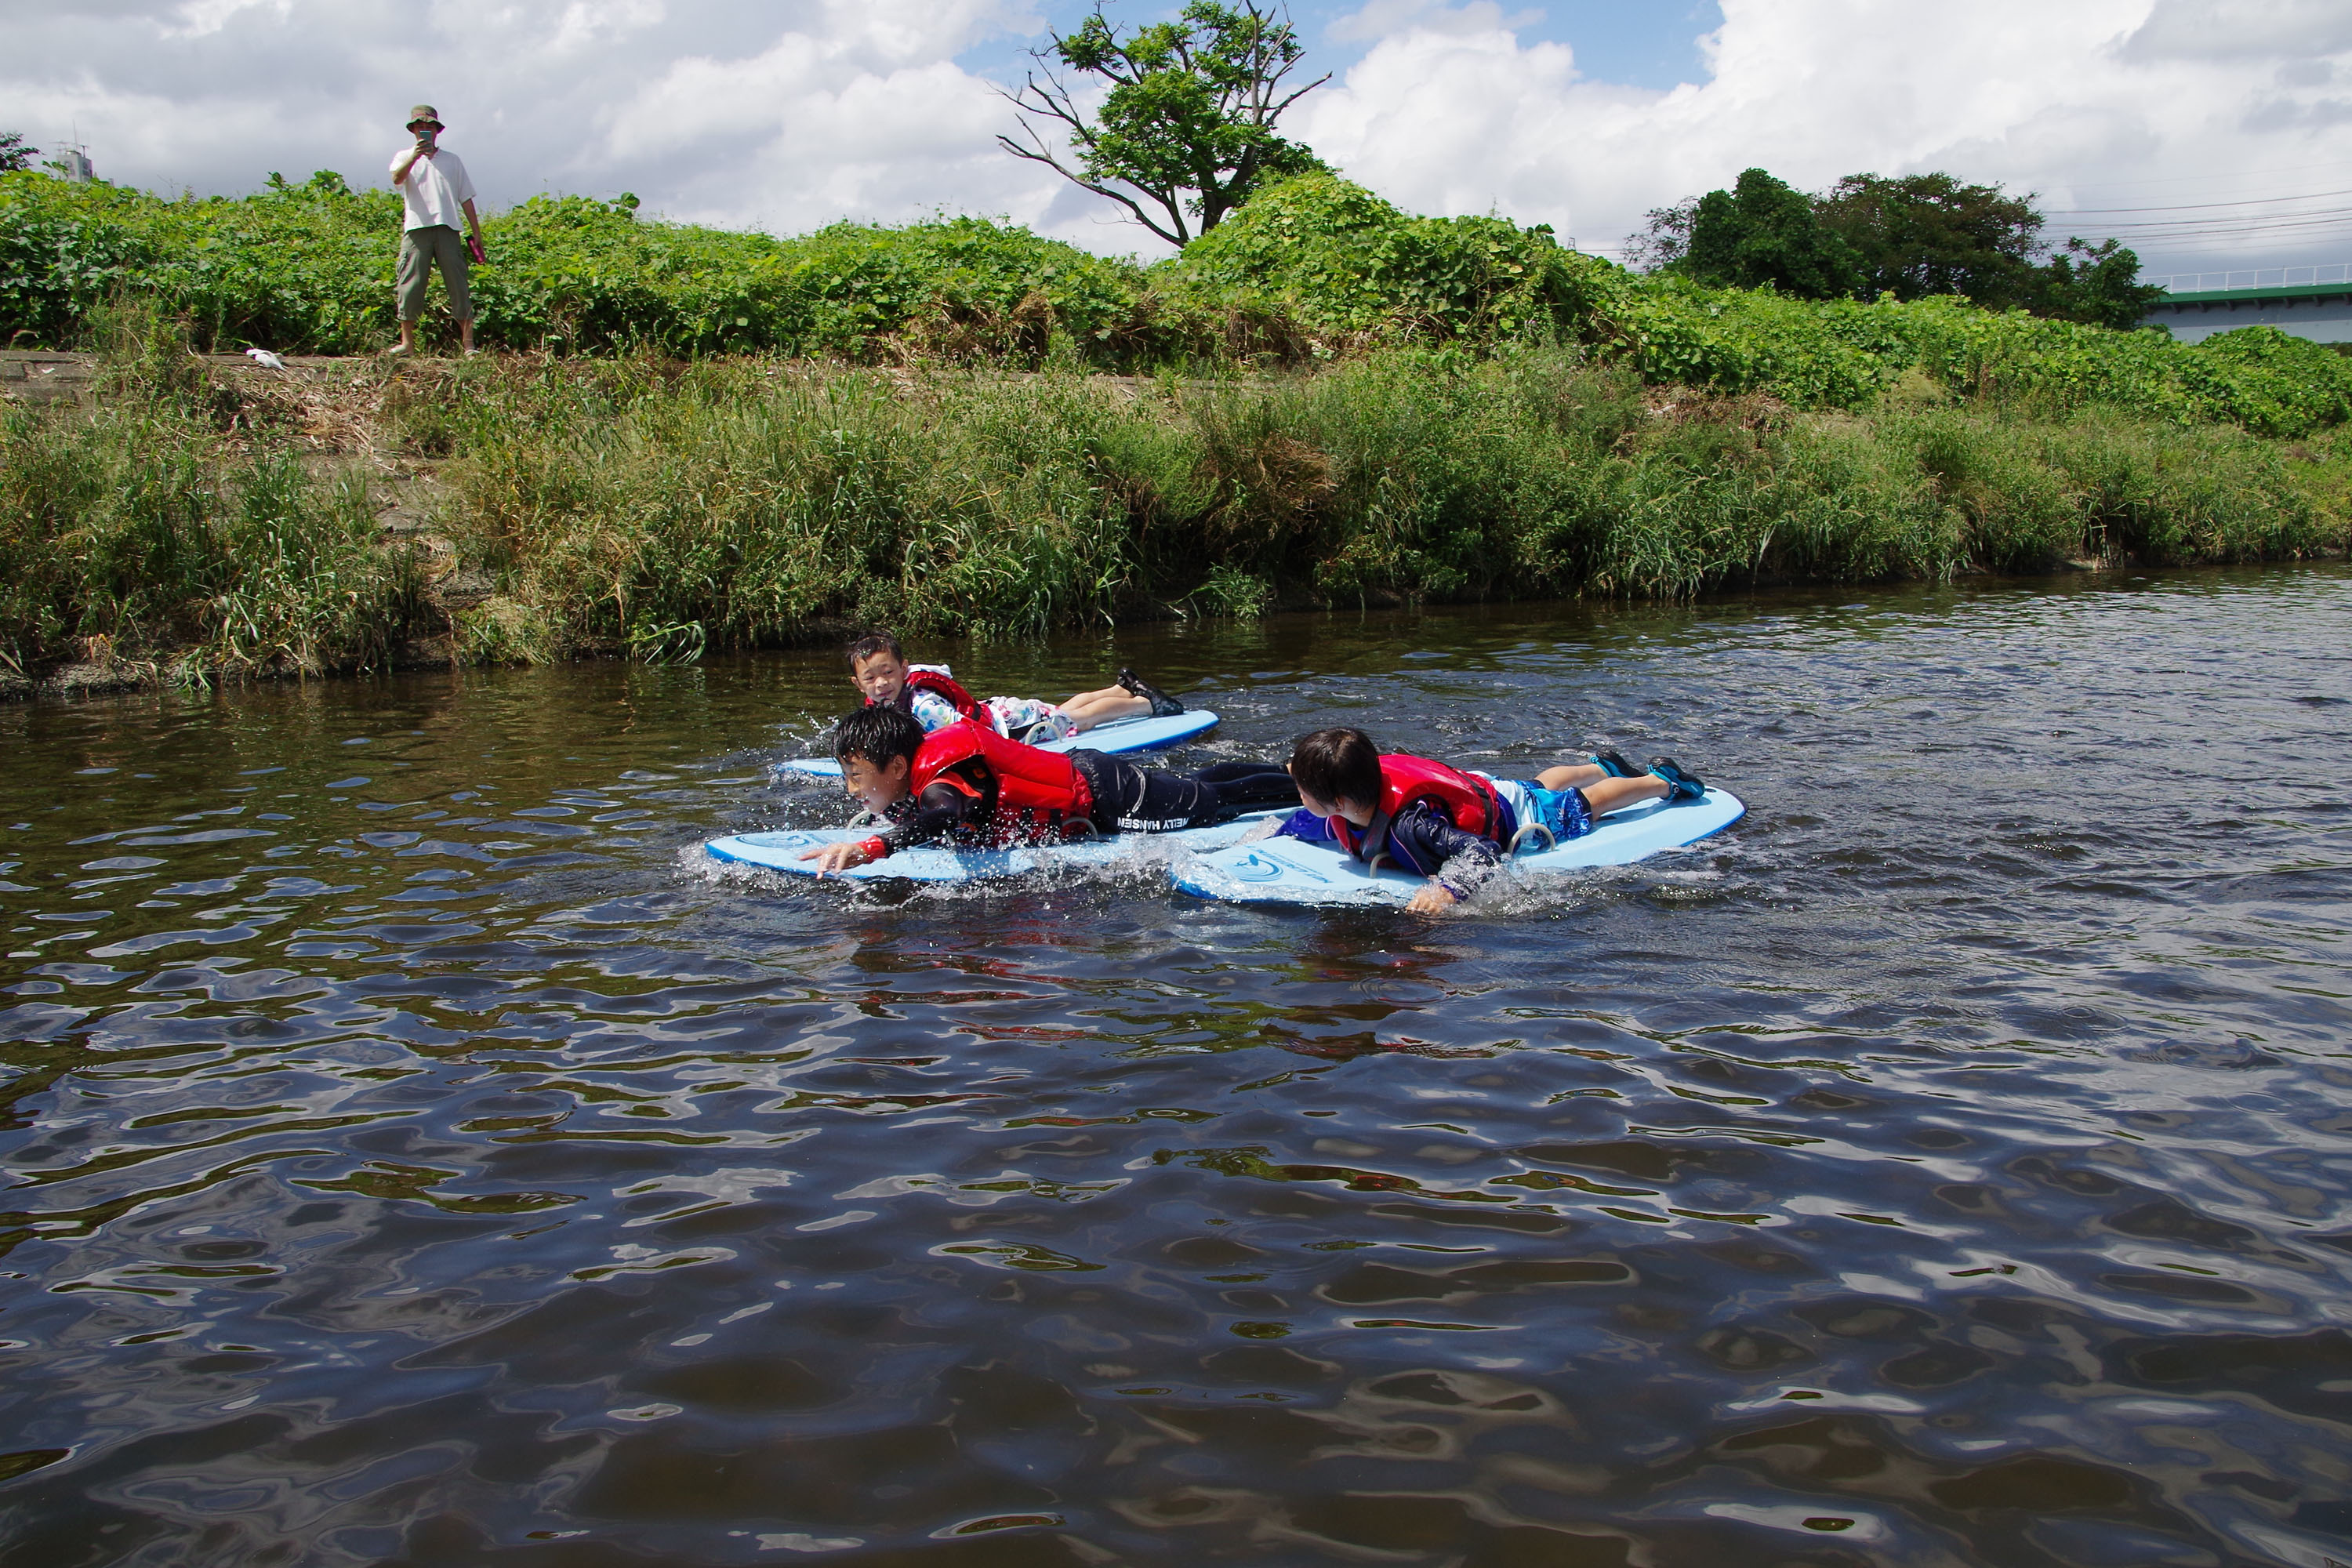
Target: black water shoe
(1162,705)
(1614,764)
(1680,786)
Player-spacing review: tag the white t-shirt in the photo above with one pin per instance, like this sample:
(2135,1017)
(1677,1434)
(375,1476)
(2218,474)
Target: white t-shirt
(437,190)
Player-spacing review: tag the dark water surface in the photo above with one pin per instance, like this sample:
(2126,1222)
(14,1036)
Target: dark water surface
(415,1154)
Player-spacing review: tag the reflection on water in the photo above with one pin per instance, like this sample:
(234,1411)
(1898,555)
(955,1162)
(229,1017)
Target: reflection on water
(417,1154)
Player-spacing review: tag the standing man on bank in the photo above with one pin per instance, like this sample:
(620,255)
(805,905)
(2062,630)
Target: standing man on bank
(435,189)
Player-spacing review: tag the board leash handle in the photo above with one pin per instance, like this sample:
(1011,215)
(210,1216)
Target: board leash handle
(1521,837)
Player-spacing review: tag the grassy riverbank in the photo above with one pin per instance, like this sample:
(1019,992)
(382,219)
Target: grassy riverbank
(199,522)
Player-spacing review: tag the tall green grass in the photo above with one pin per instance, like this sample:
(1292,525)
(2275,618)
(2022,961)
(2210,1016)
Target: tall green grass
(142,532)
(734,506)
(661,508)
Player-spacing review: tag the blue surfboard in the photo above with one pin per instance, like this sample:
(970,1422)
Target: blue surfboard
(1292,871)
(781,851)
(1122,735)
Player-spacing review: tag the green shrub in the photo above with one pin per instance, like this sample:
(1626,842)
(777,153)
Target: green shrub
(1341,262)
(309,267)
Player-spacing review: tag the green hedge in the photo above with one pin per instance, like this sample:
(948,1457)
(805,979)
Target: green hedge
(1313,267)
(308,269)
(1845,354)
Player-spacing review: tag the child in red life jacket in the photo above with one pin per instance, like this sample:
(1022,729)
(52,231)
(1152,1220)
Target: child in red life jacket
(1450,826)
(970,786)
(878,666)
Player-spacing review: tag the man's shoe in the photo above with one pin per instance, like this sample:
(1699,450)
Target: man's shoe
(1680,786)
(1614,764)
(1162,705)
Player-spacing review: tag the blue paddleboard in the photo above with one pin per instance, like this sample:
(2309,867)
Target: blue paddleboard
(781,851)
(1292,871)
(1122,735)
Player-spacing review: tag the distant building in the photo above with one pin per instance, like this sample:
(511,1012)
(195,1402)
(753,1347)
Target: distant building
(2320,311)
(74,164)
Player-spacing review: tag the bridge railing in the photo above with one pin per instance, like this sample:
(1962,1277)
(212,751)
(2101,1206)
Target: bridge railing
(2252,277)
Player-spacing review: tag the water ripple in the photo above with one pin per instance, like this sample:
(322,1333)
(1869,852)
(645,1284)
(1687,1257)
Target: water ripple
(447,1164)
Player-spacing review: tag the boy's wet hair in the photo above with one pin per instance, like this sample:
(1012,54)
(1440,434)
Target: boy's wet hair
(877,734)
(1337,764)
(872,643)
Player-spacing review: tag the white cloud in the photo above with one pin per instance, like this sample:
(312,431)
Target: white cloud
(2100,103)
(1380,18)
(789,115)
(793,113)
(202,19)
(2258,30)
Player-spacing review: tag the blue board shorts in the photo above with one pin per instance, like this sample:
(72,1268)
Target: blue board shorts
(1564,813)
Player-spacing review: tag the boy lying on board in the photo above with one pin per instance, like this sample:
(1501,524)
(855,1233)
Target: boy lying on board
(929,691)
(1453,826)
(970,786)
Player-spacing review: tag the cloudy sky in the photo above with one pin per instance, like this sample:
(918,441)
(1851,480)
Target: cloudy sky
(2209,133)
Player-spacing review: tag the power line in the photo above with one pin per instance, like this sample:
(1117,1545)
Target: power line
(2224,225)
(2253,228)
(2201,207)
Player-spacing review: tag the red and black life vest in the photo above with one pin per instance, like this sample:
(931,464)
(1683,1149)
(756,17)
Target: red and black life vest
(1468,800)
(1024,795)
(939,680)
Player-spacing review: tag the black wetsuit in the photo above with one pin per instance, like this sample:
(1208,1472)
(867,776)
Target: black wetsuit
(1127,799)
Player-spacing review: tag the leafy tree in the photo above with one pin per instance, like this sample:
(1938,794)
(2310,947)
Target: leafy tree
(15,155)
(2103,289)
(1931,234)
(1188,127)
(1914,237)
(1665,240)
(1762,231)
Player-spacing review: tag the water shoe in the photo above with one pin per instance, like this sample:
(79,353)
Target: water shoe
(1614,764)
(1162,705)
(1680,786)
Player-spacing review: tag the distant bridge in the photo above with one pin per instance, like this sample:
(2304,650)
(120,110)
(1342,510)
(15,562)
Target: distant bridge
(2313,302)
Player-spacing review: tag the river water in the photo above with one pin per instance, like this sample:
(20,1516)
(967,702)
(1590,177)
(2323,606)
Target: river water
(417,1154)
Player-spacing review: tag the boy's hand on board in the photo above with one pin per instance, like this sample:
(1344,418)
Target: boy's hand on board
(838,856)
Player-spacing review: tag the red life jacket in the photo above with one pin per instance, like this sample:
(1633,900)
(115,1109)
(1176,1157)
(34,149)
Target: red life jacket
(1468,800)
(940,681)
(1025,794)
